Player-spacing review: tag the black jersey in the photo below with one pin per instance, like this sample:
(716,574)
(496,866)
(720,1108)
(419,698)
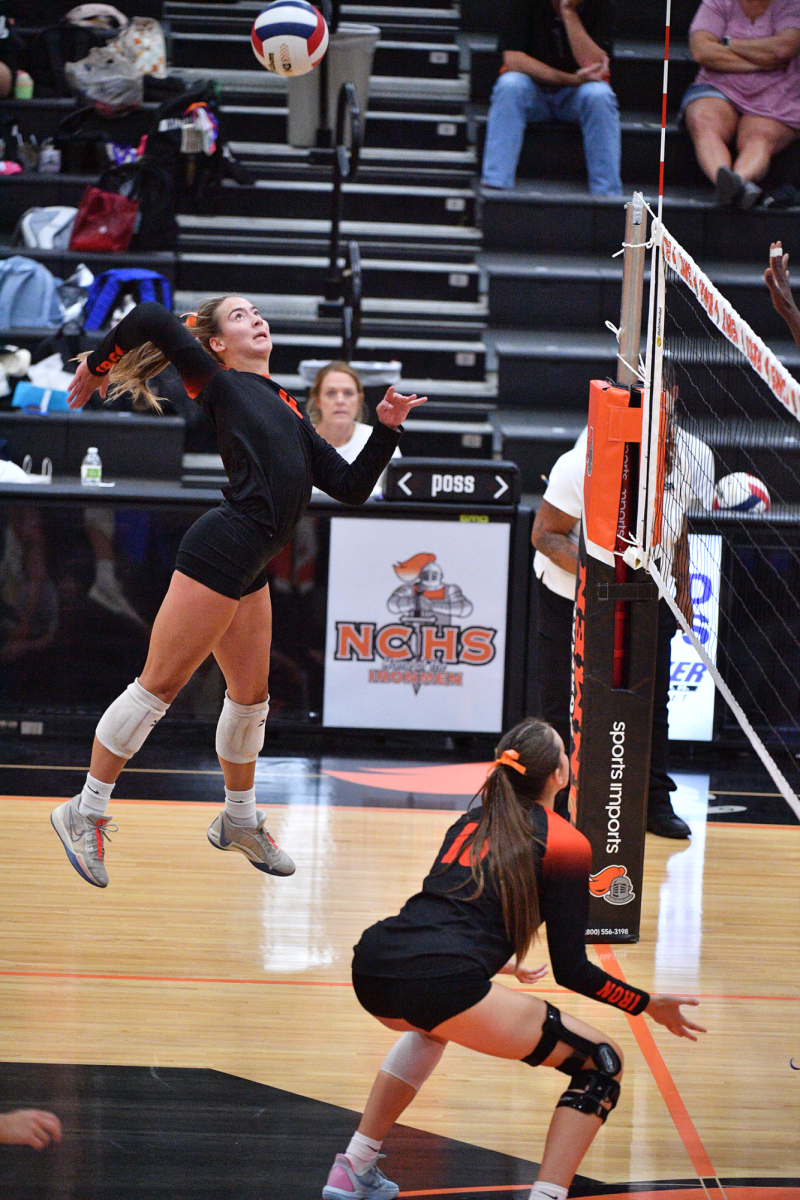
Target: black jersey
(442,930)
(270,450)
(534,27)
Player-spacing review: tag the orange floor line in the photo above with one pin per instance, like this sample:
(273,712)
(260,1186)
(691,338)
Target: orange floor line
(767,1192)
(218,801)
(170,979)
(500,1187)
(666,1084)
(554,991)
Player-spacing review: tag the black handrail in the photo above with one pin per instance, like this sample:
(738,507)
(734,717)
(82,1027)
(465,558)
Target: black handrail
(344,168)
(330,11)
(351,312)
(344,284)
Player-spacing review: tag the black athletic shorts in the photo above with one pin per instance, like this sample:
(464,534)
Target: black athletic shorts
(227,551)
(424,1003)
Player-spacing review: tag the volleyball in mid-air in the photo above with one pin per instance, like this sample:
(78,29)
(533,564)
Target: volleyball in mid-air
(289,37)
(741,493)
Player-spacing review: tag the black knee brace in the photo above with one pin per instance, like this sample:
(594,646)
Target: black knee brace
(590,1088)
(589,1091)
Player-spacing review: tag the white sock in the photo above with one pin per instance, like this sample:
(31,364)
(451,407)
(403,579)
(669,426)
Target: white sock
(240,807)
(362,1152)
(548,1191)
(95,797)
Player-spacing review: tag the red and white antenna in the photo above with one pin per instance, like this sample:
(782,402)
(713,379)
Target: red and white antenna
(664,110)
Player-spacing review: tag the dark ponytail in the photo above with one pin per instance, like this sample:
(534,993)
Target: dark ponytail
(508,797)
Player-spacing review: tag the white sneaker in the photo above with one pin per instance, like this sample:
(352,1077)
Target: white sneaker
(344,1184)
(253,842)
(83,838)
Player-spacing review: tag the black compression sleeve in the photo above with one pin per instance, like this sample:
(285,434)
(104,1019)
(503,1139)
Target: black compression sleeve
(151,322)
(564,905)
(352,483)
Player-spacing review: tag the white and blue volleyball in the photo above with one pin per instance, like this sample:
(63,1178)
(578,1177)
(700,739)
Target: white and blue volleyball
(289,37)
(741,493)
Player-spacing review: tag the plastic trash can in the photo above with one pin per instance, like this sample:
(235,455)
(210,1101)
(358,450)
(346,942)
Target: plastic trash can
(371,374)
(349,54)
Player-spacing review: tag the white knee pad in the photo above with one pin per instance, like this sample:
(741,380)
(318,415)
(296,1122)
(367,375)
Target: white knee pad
(413,1058)
(240,730)
(126,723)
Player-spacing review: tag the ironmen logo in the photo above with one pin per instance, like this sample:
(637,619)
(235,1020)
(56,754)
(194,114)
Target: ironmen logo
(425,640)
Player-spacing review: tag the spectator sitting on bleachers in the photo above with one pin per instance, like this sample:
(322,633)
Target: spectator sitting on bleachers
(555,68)
(336,409)
(6,80)
(747,91)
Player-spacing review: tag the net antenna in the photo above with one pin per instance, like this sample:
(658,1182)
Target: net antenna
(721,425)
(664,109)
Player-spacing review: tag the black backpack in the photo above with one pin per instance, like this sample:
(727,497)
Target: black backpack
(197,176)
(152,185)
(83,134)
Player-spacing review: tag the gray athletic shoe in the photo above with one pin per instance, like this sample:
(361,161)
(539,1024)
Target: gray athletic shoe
(254,843)
(344,1184)
(84,839)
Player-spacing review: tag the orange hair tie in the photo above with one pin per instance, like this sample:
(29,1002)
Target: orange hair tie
(191,320)
(510,758)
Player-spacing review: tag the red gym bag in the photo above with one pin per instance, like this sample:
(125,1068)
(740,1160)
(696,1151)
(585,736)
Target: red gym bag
(105,221)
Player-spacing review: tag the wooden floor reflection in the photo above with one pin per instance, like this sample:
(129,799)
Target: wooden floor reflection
(193,959)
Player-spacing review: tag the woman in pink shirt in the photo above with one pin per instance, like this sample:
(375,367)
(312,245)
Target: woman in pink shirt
(746,93)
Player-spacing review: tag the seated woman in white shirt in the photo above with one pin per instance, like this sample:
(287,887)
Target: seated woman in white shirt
(336,409)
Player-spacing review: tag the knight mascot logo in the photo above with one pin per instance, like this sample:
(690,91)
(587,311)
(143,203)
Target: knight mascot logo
(423,595)
(613,884)
(427,638)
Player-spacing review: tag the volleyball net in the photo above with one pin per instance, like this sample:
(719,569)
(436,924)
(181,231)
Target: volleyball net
(718,524)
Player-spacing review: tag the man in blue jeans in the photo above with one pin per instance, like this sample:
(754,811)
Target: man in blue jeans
(555,68)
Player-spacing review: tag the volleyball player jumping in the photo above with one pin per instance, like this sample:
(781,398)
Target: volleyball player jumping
(218,599)
(502,870)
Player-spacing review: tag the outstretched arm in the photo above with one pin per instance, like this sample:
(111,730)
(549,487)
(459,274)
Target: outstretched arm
(777,280)
(147,322)
(352,483)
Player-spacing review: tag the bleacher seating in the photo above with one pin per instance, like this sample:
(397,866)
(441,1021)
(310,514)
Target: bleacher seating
(552,282)
(496,303)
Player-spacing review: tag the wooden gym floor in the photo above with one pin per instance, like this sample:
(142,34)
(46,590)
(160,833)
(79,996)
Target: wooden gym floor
(195,1029)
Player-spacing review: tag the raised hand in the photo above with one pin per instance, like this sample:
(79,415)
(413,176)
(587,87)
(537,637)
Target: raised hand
(776,277)
(394,408)
(666,1010)
(84,385)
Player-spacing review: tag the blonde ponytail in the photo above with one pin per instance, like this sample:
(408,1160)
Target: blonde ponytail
(133,371)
